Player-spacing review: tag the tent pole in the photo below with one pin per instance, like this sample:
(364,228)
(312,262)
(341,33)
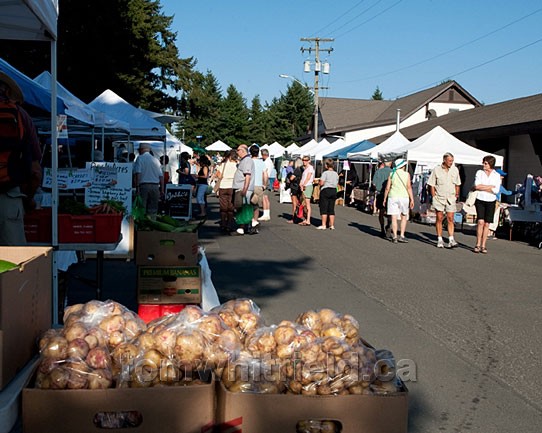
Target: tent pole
(54,169)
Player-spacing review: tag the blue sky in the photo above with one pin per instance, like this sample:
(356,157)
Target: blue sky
(493,48)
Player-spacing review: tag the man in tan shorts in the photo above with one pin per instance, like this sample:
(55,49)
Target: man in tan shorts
(445,183)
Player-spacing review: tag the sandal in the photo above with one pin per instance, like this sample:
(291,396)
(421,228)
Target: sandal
(304,223)
(290,221)
(476,249)
(483,250)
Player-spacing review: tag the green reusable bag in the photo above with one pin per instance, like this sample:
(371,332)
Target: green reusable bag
(244,214)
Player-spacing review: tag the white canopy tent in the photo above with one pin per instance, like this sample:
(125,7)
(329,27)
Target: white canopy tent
(82,111)
(218,146)
(306,148)
(390,145)
(430,147)
(276,150)
(320,151)
(141,125)
(292,148)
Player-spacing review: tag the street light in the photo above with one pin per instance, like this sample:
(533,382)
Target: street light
(315,97)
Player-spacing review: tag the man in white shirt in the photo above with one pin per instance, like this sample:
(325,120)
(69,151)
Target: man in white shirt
(149,179)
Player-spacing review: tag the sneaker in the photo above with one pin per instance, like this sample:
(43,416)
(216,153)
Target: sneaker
(394,240)
(253,231)
(440,244)
(321,228)
(402,240)
(238,232)
(452,244)
(255,223)
(264,218)
(332,228)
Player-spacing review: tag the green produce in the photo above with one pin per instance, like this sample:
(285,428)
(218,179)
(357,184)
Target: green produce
(7,266)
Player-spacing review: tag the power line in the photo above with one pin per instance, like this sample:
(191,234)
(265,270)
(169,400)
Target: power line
(338,18)
(474,67)
(370,19)
(357,16)
(421,62)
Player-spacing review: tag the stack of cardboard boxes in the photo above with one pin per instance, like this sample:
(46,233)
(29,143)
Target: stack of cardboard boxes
(168,273)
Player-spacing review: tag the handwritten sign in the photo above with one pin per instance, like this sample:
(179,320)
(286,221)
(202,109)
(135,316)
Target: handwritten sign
(68,178)
(103,188)
(178,201)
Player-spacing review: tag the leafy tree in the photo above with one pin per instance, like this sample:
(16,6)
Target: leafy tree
(377,95)
(234,118)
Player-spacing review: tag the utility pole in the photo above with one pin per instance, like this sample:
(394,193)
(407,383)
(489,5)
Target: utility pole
(317,67)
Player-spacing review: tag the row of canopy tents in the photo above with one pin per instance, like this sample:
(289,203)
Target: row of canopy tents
(426,150)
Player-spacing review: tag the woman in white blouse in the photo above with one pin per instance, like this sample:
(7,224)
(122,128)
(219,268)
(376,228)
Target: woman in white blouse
(488,183)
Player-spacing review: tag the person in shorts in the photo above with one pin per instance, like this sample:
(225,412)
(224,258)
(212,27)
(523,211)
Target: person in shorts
(307,187)
(399,199)
(445,183)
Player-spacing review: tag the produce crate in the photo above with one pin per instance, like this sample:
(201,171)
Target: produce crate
(25,307)
(99,228)
(169,284)
(348,413)
(149,312)
(37,225)
(165,409)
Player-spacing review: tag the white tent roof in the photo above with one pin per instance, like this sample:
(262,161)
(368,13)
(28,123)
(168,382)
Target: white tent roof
(276,149)
(391,145)
(81,111)
(322,147)
(163,118)
(306,148)
(430,147)
(141,125)
(320,151)
(218,146)
(292,148)
(28,20)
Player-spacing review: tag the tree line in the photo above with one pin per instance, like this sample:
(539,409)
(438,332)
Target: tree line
(128,46)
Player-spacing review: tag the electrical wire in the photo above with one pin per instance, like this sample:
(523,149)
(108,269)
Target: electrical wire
(357,16)
(369,20)
(474,67)
(421,62)
(338,18)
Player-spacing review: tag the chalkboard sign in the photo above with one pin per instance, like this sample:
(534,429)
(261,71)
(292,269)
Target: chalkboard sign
(178,201)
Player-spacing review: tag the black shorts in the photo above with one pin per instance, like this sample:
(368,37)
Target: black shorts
(379,201)
(485,210)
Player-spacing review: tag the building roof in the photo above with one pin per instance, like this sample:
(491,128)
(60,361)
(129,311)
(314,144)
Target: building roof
(344,115)
(517,116)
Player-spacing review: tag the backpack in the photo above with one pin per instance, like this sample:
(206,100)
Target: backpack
(15,157)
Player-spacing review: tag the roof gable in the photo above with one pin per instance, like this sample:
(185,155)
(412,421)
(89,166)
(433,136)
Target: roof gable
(343,115)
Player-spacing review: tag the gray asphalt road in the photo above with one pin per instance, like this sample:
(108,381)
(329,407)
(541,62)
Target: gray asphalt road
(471,323)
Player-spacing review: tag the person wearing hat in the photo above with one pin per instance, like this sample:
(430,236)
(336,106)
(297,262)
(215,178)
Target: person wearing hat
(445,184)
(400,199)
(493,226)
(20,180)
(149,179)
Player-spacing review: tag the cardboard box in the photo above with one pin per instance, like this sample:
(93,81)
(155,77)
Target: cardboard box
(169,284)
(154,248)
(168,409)
(354,413)
(25,307)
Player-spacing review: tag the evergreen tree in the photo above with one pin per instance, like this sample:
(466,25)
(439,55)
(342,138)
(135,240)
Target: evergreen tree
(201,105)
(377,95)
(234,118)
(257,120)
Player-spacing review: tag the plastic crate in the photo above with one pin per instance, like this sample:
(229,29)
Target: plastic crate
(37,225)
(149,312)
